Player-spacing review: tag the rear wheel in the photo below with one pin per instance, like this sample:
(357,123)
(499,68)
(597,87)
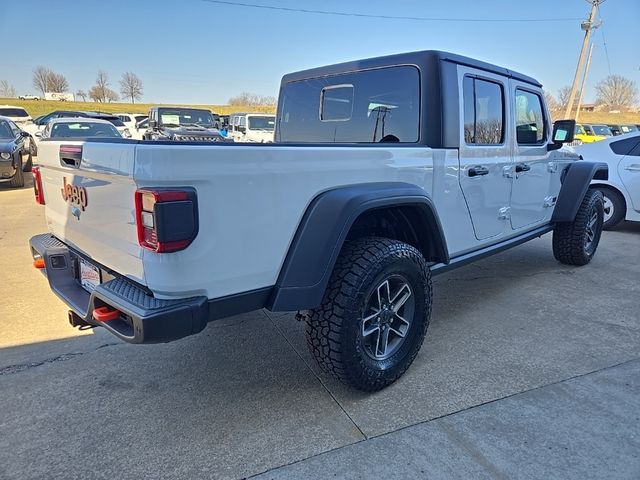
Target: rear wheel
(575,243)
(18,179)
(614,208)
(374,314)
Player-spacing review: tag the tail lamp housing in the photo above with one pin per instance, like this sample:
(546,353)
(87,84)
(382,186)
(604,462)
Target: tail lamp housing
(167,219)
(37,185)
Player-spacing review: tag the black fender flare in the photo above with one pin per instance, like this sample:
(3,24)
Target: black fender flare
(576,179)
(323,229)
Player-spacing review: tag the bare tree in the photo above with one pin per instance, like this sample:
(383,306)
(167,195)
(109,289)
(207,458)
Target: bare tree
(41,77)
(563,96)
(252,99)
(7,90)
(101,92)
(82,94)
(616,91)
(131,86)
(111,96)
(552,103)
(58,83)
(46,80)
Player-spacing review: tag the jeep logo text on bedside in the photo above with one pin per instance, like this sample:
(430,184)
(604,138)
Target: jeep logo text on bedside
(74,194)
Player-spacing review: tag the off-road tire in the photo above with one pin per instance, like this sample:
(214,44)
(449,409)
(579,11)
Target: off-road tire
(571,244)
(17,180)
(617,203)
(334,330)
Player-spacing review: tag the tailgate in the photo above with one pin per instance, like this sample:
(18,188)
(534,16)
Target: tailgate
(89,201)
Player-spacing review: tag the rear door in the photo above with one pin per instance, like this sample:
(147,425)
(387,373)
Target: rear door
(531,170)
(485,152)
(89,201)
(629,171)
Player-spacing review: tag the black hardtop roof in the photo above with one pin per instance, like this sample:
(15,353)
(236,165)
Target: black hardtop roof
(422,58)
(171,107)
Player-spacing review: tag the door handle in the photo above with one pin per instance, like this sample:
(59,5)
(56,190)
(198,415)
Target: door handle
(477,171)
(634,167)
(522,167)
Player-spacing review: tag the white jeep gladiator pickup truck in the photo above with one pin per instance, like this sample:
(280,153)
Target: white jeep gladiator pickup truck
(384,172)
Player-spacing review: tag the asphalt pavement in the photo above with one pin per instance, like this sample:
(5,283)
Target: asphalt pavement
(530,369)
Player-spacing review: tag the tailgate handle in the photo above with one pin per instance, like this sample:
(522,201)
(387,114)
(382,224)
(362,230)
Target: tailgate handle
(70,155)
(69,162)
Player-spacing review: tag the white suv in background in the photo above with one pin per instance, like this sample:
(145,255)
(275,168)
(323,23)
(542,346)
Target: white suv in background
(252,127)
(131,121)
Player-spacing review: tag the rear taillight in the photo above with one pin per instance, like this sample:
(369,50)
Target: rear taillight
(167,220)
(37,185)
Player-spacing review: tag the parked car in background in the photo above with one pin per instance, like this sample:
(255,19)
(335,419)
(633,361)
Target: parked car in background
(79,128)
(602,130)
(252,127)
(182,124)
(41,122)
(23,120)
(29,97)
(622,129)
(622,190)
(13,148)
(584,134)
(140,129)
(131,121)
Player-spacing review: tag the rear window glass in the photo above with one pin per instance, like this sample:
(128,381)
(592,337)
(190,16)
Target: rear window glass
(371,106)
(84,129)
(13,112)
(624,147)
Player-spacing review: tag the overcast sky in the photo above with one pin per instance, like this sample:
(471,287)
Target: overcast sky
(195,51)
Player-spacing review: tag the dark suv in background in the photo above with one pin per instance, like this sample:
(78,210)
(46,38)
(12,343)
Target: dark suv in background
(183,124)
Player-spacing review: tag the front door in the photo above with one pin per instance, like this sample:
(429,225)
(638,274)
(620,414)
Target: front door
(484,151)
(531,173)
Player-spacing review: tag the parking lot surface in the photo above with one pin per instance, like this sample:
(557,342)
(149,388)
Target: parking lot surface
(530,369)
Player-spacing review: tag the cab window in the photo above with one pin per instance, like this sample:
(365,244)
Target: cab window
(368,106)
(483,111)
(530,120)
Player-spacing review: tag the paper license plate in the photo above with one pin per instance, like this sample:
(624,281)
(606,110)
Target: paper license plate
(89,275)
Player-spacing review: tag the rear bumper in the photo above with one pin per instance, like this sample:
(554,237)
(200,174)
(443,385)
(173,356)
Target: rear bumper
(142,318)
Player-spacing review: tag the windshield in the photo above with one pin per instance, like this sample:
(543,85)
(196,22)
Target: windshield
(5,130)
(262,123)
(185,116)
(602,130)
(84,129)
(580,130)
(13,112)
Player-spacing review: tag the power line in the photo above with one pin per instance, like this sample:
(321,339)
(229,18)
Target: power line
(604,42)
(387,17)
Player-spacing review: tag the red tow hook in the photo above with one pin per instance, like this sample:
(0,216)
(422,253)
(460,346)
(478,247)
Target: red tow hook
(105,314)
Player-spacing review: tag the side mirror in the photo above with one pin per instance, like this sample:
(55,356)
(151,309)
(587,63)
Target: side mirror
(24,134)
(153,124)
(563,132)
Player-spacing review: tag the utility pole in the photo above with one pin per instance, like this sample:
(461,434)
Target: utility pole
(587,26)
(584,81)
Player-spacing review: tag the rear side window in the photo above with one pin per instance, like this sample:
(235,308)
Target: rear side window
(624,147)
(530,124)
(483,112)
(370,106)
(13,112)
